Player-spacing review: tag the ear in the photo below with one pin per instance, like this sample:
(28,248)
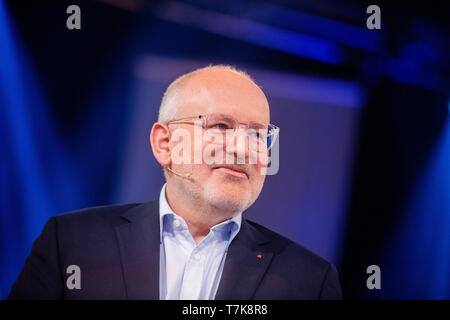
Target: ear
(159,140)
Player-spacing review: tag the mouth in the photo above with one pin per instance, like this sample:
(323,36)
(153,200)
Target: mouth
(232,170)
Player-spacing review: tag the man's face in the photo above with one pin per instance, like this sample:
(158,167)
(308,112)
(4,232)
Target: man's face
(230,187)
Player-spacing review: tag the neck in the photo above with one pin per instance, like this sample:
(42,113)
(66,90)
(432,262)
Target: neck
(200,216)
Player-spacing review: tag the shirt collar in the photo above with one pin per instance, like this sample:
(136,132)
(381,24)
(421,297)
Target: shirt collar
(164,209)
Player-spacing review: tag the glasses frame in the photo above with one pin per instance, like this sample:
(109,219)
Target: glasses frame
(272,129)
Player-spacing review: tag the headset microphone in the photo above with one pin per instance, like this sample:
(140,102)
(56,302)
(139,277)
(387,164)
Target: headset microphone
(185,175)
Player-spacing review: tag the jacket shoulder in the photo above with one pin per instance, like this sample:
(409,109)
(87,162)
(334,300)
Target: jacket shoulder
(98,211)
(93,218)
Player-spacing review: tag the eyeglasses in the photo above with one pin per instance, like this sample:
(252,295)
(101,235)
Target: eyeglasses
(220,128)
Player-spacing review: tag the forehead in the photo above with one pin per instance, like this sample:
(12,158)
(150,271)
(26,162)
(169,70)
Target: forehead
(224,92)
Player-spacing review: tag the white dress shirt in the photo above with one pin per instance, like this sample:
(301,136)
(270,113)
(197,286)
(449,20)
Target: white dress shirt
(187,270)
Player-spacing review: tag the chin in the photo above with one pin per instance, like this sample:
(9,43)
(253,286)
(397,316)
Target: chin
(228,199)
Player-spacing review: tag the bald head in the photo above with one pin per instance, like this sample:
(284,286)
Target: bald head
(210,86)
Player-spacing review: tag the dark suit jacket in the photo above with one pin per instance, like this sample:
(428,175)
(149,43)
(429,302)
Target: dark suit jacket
(117,250)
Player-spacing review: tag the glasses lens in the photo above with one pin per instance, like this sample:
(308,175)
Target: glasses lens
(217,123)
(216,127)
(269,141)
(219,128)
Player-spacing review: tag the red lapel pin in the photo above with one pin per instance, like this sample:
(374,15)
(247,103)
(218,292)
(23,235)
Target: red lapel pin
(259,256)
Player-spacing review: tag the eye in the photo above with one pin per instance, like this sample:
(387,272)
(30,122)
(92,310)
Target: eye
(221,126)
(255,134)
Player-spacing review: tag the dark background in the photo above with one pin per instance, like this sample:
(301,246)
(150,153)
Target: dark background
(397,208)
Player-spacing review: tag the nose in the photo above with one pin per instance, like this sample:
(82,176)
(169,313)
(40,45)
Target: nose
(238,147)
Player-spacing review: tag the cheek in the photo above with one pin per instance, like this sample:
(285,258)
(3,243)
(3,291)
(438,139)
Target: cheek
(263,159)
(257,178)
(258,175)
(257,185)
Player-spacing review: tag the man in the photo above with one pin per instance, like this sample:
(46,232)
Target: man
(192,243)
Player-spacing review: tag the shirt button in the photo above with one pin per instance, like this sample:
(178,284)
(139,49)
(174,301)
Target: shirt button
(197,256)
(176,223)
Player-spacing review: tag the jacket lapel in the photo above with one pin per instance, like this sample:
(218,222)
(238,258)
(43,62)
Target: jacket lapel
(246,262)
(139,245)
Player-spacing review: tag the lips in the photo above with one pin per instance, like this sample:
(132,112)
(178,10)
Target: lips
(233,170)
